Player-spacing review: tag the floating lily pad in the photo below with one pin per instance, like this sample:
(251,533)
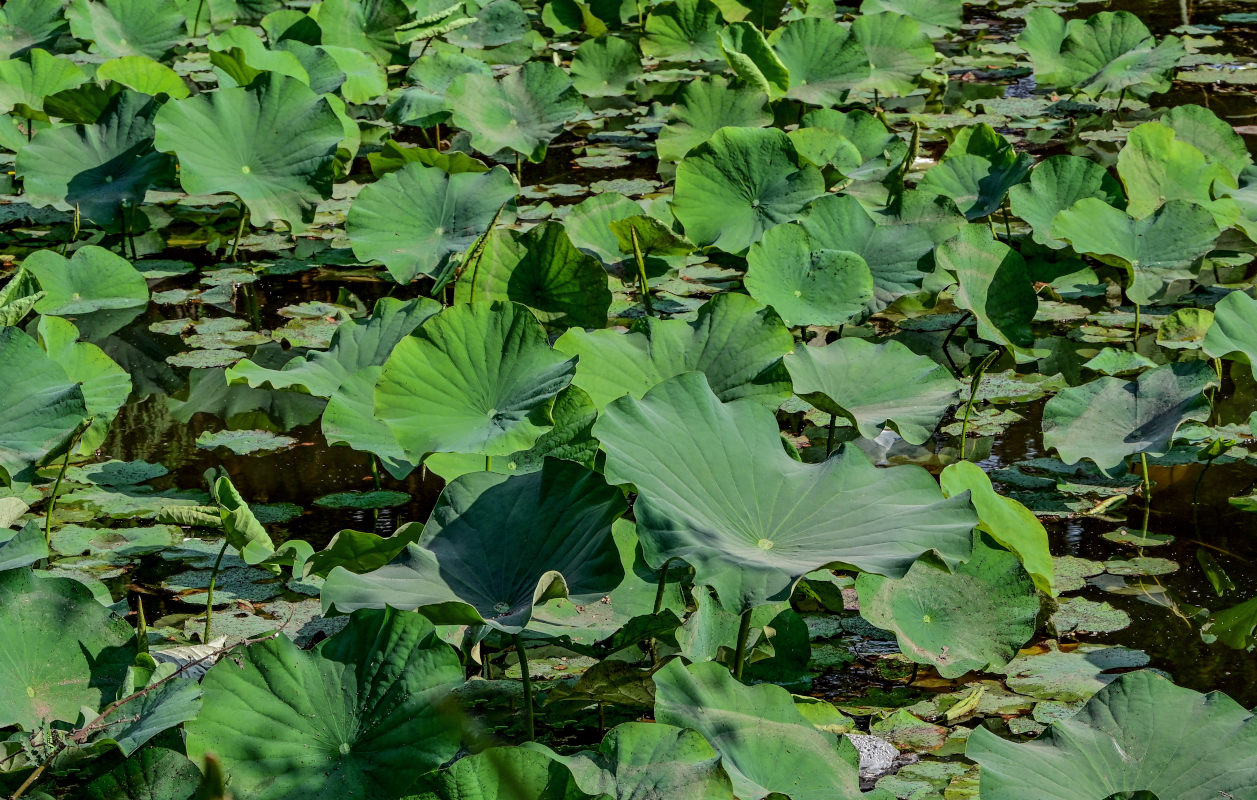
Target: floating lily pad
(245,442)
(363,500)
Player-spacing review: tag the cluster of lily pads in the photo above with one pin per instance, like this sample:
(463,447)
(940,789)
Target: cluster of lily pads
(706,316)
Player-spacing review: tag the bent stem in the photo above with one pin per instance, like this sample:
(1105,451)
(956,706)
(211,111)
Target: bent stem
(744,633)
(644,287)
(209,599)
(235,244)
(1138,328)
(955,370)
(529,729)
(974,383)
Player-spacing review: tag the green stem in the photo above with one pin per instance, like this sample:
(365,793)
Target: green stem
(438,135)
(914,149)
(663,582)
(519,169)
(829,435)
(529,728)
(975,382)
(1008,229)
(56,487)
(964,428)
(209,599)
(1138,327)
(235,245)
(1199,480)
(375,472)
(196,21)
(1143,466)
(641,269)
(744,633)
(488,463)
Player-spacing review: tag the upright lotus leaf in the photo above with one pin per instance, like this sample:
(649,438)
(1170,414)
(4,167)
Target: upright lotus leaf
(1042,37)
(365,79)
(765,742)
(752,60)
(425,102)
(1012,525)
(1201,128)
(144,75)
(936,17)
(27,24)
(93,279)
(1233,334)
(366,713)
(239,56)
(105,385)
(521,112)
(855,143)
(972,618)
(271,144)
(1141,733)
(505,773)
(26,82)
(476,378)
(356,345)
(1154,251)
(241,528)
(62,650)
(605,67)
(750,519)
(1109,419)
(654,240)
(682,30)
(994,284)
(975,183)
(1156,167)
(369,26)
(495,547)
(1113,52)
(42,406)
(896,49)
(1055,184)
(588,226)
(734,341)
(127,27)
(1235,626)
(542,270)
(875,386)
(894,253)
(349,418)
(416,219)
(705,106)
(738,184)
(99,169)
(805,284)
(822,58)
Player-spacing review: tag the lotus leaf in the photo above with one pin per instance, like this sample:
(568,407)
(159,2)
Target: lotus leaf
(241,528)
(144,75)
(505,773)
(1210,135)
(994,285)
(1233,334)
(979,168)
(560,520)
(588,226)
(521,112)
(897,51)
(1129,738)
(497,22)
(1155,167)
(153,773)
(26,82)
(854,142)
(807,285)
(706,106)
(394,156)
(127,27)
(605,67)
(23,548)
(875,386)
(1184,328)
(1055,184)
(271,144)
(368,26)
(63,650)
(752,60)
(427,102)
(1108,419)
(1236,626)
(682,30)
(105,385)
(27,24)
(751,520)
(94,286)
(360,552)
(363,714)
(739,183)
(44,414)
(822,59)
(364,77)
(350,419)
(936,17)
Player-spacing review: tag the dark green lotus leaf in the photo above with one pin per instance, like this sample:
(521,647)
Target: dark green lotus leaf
(705,106)
(734,341)
(63,650)
(739,183)
(1235,626)
(976,184)
(1055,184)
(994,284)
(106,386)
(856,143)
(1109,419)
(1233,334)
(588,226)
(361,552)
(766,743)
(972,618)
(1154,251)
(657,244)
(1210,135)
(1141,733)
(752,60)
(682,30)
(875,386)
(805,284)
(241,528)
(350,419)
(379,498)
(463,571)
(369,26)
(896,49)
(497,22)
(894,253)
(27,24)
(271,144)
(1114,52)
(823,60)
(416,219)
(42,406)
(168,702)
(521,112)
(154,773)
(366,713)
(476,378)
(750,519)
(505,773)
(99,169)
(1184,329)
(1156,167)
(605,67)
(26,82)
(127,27)
(393,156)
(543,270)
(935,17)
(426,102)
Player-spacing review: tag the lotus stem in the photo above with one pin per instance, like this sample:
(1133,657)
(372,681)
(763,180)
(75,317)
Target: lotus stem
(209,598)
(663,581)
(947,341)
(235,245)
(1120,97)
(1143,466)
(744,633)
(529,729)
(829,435)
(374,461)
(488,463)
(56,488)
(141,626)
(974,383)
(196,21)
(1199,480)
(914,149)
(644,286)
(519,169)
(1008,229)
(438,135)
(1138,327)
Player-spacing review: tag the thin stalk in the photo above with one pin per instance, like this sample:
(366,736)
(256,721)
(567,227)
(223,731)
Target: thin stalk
(914,149)
(947,341)
(644,286)
(1008,229)
(519,169)
(1120,97)
(141,628)
(196,21)
(235,244)
(529,728)
(829,435)
(128,234)
(1138,327)
(209,599)
(1199,480)
(375,471)
(974,383)
(488,463)
(438,136)
(744,633)
(659,592)
(1143,466)
(56,488)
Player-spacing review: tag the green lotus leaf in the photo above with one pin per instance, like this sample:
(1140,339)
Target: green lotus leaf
(356,345)
(127,27)
(650,237)
(18,297)
(360,552)
(1108,419)
(368,26)
(505,773)
(168,702)
(976,184)
(151,774)
(1055,184)
(1042,37)
(682,30)
(350,419)
(521,112)
(427,103)
(239,56)
(1185,328)
(417,219)
(28,24)
(44,414)
(750,519)
(364,77)
(497,22)
(822,59)
(894,253)
(93,279)
(875,386)
(766,743)
(393,156)
(543,270)
(1200,127)
(1235,626)
(1155,167)
(1114,52)
(241,528)
(99,169)
(935,17)
(1233,334)
(705,106)
(605,67)
(896,49)
(1154,251)
(735,342)
(63,650)
(588,227)
(106,386)
(1190,746)
(854,142)
(462,572)
(366,713)
(994,284)
(739,183)
(807,285)
(245,442)
(972,618)
(476,378)
(144,75)
(752,60)
(271,144)
(26,82)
